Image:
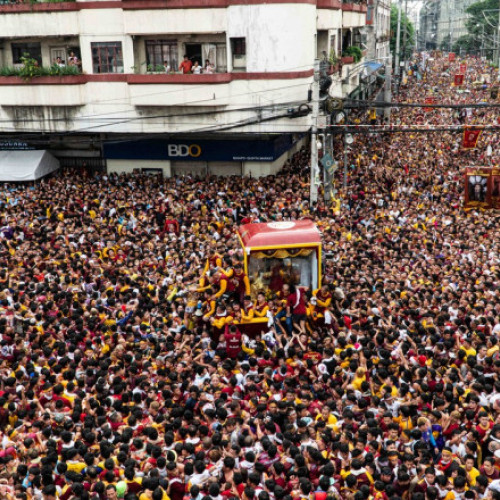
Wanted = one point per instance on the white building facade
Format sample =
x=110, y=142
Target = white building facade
x=379, y=29
x=128, y=85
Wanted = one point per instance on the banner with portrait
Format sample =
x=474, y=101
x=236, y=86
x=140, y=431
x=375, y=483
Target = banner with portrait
x=482, y=187
x=470, y=138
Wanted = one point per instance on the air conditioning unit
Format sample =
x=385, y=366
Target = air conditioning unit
x=239, y=61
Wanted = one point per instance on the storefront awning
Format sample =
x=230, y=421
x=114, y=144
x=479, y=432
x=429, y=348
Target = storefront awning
x=372, y=67
x=21, y=166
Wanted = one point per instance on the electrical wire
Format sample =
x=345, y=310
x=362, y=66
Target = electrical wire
x=152, y=94
x=124, y=119
x=384, y=129
x=381, y=104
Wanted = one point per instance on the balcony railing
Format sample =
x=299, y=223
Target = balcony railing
x=32, y=2
x=7, y=78
x=355, y=5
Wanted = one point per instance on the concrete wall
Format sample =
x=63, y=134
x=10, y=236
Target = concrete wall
x=122, y=107
x=353, y=19
x=279, y=37
x=329, y=19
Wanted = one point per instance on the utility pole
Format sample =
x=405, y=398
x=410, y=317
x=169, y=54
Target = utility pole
x=346, y=159
x=398, y=40
x=405, y=32
x=498, y=37
x=387, y=89
x=346, y=154
x=449, y=26
x=314, y=134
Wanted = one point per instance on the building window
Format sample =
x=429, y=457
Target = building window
x=107, y=57
x=20, y=50
x=239, y=53
x=159, y=51
x=239, y=46
x=217, y=55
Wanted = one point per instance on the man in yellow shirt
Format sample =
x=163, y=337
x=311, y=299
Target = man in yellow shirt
x=467, y=347
x=328, y=417
x=74, y=461
x=470, y=471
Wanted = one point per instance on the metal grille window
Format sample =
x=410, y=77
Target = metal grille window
x=19, y=50
x=239, y=46
x=107, y=57
x=159, y=51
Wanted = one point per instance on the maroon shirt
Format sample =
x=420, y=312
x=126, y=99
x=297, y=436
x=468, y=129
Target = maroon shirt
x=297, y=307
x=233, y=342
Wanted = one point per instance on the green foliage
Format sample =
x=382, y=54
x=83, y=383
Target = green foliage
x=333, y=59
x=353, y=51
x=155, y=68
x=407, y=25
x=465, y=44
x=33, y=2
x=481, y=28
x=9, y=71
x=31, y=69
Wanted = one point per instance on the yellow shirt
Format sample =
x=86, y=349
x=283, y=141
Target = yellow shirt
x=145, y=496
x=330, y=422
x=470, y=352
x=492, y=350
x=473, y=473
x=394, y=391
x=404, y=424
x=356, y=383
x=76, y=466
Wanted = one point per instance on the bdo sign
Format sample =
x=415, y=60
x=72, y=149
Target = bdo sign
x=184, y=150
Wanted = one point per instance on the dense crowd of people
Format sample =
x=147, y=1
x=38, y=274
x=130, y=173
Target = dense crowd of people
x=126, y=371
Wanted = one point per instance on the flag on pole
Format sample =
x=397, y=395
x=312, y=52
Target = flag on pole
x=471, y=136
x=451, y=56
x=459, y=80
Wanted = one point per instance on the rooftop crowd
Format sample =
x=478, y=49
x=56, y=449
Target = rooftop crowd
x=125, y=372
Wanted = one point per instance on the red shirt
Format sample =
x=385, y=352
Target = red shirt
x=186, y=66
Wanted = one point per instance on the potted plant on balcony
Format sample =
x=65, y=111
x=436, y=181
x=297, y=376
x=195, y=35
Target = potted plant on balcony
x=155, y=68
x=334, y=62
x=352, y=54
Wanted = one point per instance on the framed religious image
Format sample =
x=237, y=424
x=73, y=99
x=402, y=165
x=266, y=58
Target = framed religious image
x=495, y=188
x=479, y=187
